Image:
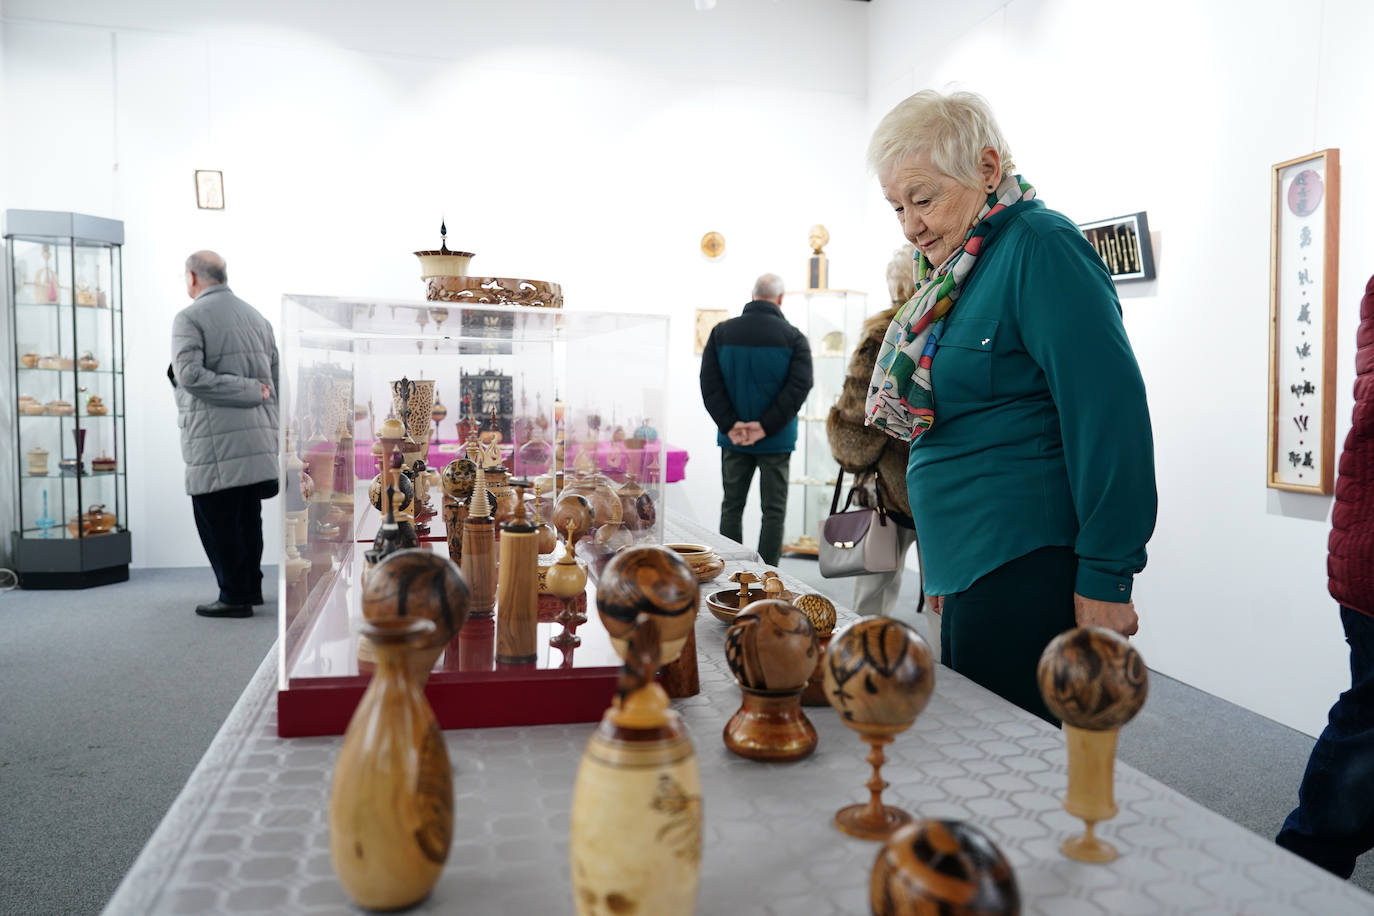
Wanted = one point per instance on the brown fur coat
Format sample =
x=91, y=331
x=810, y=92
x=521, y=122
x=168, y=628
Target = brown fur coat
x=862, y=450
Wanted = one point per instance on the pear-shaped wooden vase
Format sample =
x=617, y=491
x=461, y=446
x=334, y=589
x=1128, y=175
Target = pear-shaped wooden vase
x=391, y=803
x=636, y=812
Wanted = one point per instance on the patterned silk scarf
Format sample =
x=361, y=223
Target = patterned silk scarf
x=900, y=399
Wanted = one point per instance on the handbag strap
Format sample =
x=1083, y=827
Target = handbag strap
x=877, y=497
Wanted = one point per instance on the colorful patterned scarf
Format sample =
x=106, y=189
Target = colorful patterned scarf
x=900, y=399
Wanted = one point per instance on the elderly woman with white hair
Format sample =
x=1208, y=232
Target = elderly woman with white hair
x=1031, y=475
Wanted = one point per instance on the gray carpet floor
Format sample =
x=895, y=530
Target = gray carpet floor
x=111, y=696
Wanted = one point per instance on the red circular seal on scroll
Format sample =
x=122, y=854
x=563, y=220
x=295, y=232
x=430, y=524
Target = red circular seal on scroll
x=1305, y=193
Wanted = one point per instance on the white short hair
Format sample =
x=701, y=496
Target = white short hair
x=768, y=286
x=901, y=274
x=952, y=129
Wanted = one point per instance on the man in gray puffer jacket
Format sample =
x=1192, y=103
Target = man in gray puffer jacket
x=224, y=367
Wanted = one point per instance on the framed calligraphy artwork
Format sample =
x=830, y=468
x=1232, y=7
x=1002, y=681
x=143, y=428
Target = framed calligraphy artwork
x=1303, y=262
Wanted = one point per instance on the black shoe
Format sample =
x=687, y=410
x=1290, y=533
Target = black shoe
x=257, y=600
x=220, y=609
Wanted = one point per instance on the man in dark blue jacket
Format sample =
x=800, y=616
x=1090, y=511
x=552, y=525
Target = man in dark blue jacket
x=755, y=374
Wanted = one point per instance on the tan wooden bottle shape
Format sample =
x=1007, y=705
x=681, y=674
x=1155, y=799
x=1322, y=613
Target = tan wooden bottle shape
x=391, y=802
x=637, y=811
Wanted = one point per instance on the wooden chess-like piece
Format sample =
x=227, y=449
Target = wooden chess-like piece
x=419, y=583
x=1095, y=680
x=391, y=800
x=879, y=675
x=636, y=814
x=517, y=589
x=565, y=581
x=821, y=612
x=771, y=650
x=945, y=867
x=479, y=538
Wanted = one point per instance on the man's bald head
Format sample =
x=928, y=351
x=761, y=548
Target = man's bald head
x=209, y=267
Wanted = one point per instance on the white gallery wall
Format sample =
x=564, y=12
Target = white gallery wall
x=1180, y=109
x=592, y=144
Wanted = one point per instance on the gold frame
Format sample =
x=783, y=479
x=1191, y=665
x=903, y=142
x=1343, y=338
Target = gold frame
x=1331, y=218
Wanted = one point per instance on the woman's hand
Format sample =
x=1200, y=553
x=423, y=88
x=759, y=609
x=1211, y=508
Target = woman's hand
x=1110, y=614
x=936, y=603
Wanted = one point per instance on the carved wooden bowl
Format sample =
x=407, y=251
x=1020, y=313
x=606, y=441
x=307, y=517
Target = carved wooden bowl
x=706, y=563
x=771, y=646
x=653, y=581
x=945, y=867
x=1093, y=678
x=878, y=672
x=725, y=604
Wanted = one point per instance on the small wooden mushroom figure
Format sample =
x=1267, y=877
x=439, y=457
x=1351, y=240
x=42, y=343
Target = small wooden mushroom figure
x=945, y=867
x=743, y=579
x=636, y=820
x=879, y=675
x=821, y=612
x=1096, y=681
x=771, y=649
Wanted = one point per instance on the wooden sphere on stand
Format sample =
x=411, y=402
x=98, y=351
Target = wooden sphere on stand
x=572, y=510
x=458, y=478
x=878, y=672
x=945, y=867
x=1093, y=678
x=771, y=646
x=653, y=581
x=423, y=584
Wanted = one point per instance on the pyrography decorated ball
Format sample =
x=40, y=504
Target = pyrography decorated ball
x=819, y=611
x=1093, y=678
x=573, y=511
x=458, y=478
x=945, y=867
x=418, y=583
x=653, y=581
x=438, y=413
x=878, y=672
x=771, y=646
x=405, y=492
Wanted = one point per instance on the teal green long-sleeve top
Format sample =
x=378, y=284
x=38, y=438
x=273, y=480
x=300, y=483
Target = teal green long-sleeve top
x=1042, y=431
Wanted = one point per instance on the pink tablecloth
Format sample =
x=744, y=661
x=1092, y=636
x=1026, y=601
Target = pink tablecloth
x=611, y=456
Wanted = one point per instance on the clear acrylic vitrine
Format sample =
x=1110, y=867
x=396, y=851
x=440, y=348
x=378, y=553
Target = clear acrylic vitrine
x=66, y=328
x=538, y=382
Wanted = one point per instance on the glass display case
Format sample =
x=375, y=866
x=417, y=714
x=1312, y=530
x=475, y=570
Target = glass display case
x=557, y=399
x=67, y=327
x=832, y=320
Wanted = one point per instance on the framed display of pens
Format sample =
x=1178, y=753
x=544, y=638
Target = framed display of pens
x=1123, y=243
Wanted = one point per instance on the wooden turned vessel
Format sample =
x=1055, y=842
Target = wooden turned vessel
x=418, y=583
x=945, y=867
x=771, y=650
x=391, y=801
x=517, y=595
x=879, y=675
x=636, y=814
x=1096, y=681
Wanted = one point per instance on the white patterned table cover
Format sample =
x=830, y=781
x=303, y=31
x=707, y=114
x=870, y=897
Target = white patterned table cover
x=249, y=832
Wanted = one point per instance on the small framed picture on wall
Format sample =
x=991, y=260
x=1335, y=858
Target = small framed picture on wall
x=209, y=189
x=1303, y=261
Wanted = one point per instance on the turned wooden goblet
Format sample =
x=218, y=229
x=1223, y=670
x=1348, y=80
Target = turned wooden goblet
x=419, y=583
x=566, y=580
x=821, y=612
x=771, y=650
x=1096, y=681
x=945, y=867
x=879, y=675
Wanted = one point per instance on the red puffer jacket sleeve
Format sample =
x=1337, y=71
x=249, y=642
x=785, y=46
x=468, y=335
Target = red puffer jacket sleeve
x=1350, y=553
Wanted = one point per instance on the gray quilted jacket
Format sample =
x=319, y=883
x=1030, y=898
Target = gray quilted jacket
x=221, y=350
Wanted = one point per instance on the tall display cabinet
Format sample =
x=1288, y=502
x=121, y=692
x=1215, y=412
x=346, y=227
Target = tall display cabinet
x=66, y=329
x=831, y=319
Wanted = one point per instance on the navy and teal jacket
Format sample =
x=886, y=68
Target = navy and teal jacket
x=756, y=367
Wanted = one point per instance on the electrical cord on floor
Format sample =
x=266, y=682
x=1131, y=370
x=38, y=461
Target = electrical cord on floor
x=8, y=580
